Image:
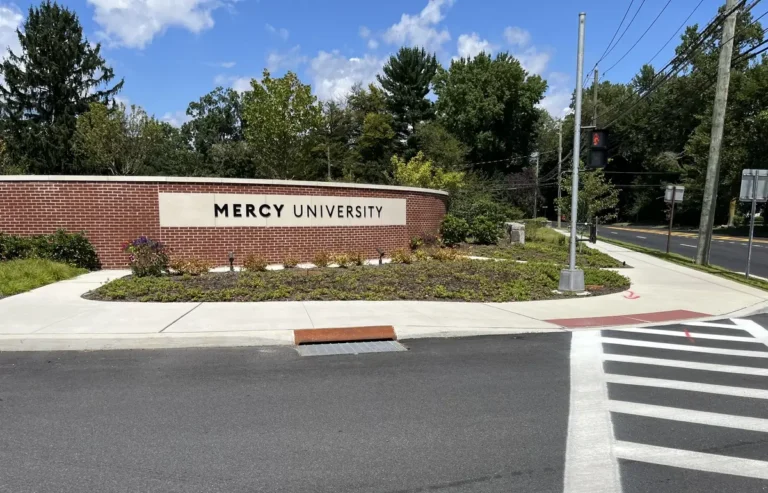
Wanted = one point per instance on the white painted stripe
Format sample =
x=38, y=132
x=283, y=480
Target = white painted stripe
x=697, y=461
x=614, y=233
x=712, y=324
x=754, y=328
x=691, y=347
x=681, y=333
x=590, y=466
x=692, y=386
x=690, y=365
x=642, y=237
x=689, y=246
x=689, y=416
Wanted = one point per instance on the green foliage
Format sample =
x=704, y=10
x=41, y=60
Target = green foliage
x=489, y=104
x=18, y=276
x=322, y=259
x=454, y=230
x=215, y=119
x=357, y=258
x=439, y=146
x=342, y=260
x=402, y=256
x=45, y=86
x=290, y=261
x=420, y=172
x=254, y=262
x=485, y=231
x=462, y=280
x=598, y=197
x=189, y=266
x=148, y=258
x=69, y=248
x=406, y=80
x=283, y=121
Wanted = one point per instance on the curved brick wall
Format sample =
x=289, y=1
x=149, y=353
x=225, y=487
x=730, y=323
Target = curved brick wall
x=112, y=210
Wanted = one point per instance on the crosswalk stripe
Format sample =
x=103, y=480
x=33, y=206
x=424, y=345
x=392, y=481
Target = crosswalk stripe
x=690, y=365
x=695, y=335
x=689, y=416
x=712, y=324
x=691, y=386
x=680, y=347
x=687, y=459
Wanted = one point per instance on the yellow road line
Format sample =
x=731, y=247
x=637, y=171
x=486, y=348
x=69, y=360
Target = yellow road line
x=682, y=234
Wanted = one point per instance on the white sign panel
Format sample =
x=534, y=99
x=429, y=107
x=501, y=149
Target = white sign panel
x=747, y=185
x=679, y=193
x=208, y=210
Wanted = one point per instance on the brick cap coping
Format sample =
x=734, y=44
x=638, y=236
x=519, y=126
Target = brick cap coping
x=225, y=181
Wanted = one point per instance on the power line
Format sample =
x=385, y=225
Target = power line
x=618, y=28
x=605, y=72
x=685, y=22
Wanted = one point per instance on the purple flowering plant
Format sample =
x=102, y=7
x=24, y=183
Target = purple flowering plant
x=148, y=257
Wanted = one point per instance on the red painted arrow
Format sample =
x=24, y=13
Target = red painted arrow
x=631, y=295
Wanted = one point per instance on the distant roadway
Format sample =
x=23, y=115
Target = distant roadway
x=727, y=251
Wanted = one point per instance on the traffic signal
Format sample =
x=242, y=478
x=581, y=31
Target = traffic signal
x=598, y=149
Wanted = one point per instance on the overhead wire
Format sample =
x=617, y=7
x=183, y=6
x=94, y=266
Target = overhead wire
x=685, y=22
x=602, y=57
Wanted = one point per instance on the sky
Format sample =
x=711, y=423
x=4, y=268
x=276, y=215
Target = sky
x=172, y=52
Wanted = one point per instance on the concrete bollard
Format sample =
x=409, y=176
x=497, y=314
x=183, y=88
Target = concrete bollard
x=515, y=233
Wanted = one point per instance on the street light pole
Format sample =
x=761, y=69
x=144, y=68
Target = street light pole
x=571, y=279
x=559, y=173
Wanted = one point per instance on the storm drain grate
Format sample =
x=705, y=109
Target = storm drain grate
x=350, y=348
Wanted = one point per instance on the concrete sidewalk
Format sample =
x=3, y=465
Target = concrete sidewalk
x=57, y=317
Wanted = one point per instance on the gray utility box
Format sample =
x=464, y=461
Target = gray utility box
x=515, y=233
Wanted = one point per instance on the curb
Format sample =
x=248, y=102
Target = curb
x=347, y=334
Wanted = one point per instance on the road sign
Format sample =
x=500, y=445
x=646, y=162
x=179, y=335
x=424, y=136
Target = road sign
x=748, y=188
x=679, y=191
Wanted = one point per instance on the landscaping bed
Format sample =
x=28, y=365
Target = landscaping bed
x=431, y=280
x=18, y=276
x=543, y=252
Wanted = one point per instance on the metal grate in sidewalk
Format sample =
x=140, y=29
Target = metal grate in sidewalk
x=350, y=348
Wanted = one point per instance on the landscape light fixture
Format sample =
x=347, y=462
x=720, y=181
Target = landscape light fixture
x=231, y=261
x=381, y=255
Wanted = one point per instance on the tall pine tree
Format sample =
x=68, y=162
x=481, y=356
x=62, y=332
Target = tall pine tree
x=53, y=79
x=407, y=79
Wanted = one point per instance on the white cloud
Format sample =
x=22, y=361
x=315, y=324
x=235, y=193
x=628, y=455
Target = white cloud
x=177, y=118
x=533, y=60
x=557, y=101
x=134, y=23
x=372, y=44
x=333, y=74
x=470, y=45
x=365, y=33
x=287, y=60
x=517, y=36
x=420, y=30
x=239, y=84
x=11, y=19
x=282, y=32
x=227, y=64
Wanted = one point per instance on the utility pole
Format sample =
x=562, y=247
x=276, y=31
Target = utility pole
x=536, y=191
x=559, y=173
x=594, y=100
x=571, y=279
x=709, y=202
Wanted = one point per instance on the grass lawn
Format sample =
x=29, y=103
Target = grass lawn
x=18, y=276
x=462, y=280
x=687, y=262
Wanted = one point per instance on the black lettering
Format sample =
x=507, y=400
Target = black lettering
x=340, y=209
x=312, y=209
x=237, y=210
x=250, y=210
x=330, y=210
x=221, y=209
x=264, y=210
x=300, y=213
x=370, y=208
x=379, y=208
x=279, y=209
x=349, y=210
x=357, y=211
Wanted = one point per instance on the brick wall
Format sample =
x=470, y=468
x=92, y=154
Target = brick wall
x=112, y=212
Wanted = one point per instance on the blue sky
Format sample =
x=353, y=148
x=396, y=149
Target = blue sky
x=171, y=52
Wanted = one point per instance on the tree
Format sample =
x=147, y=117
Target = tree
x=283, y=121
x=598, y=197
x=407, y=79
x=47, y=85
x=420, y=172
x=440, y=146
x=216, y=118
x=335, y=139
x=490, y=105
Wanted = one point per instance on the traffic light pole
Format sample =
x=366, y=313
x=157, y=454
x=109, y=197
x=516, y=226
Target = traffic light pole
x=572, y=279
x=559, y=174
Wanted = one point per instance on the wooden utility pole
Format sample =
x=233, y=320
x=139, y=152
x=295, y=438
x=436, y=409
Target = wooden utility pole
x=594, y=99
x=709, y=202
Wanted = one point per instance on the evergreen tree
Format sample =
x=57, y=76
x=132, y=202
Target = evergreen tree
x=407, y=79
x=47, y=85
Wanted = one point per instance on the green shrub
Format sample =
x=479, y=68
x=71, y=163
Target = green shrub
x=255, y=263
x=444, y=254
x=189, y=266
x=402, y=256
x=485, y=231
x=342, y=260
x=416, y=242
x=20, y=275
x=290, y=262
x=496, y=211
x=148, y=257
x=454, y=230
x=69, y=248
x=322, y=259
x=357, y=258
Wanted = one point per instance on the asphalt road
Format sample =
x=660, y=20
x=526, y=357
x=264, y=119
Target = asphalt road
x=729, y=254
x=454, y=415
